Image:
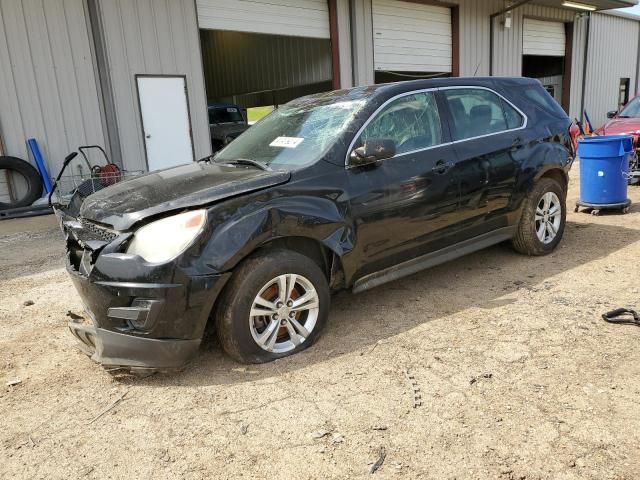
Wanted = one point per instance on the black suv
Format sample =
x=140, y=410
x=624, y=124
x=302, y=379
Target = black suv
x=342, y=190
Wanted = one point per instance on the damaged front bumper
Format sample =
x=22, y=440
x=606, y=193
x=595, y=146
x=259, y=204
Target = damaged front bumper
x=142, y=315
x=113, y=349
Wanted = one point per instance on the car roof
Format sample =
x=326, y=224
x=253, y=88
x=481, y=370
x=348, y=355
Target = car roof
x=466, y=80
x=457, y=81
x=395, y=88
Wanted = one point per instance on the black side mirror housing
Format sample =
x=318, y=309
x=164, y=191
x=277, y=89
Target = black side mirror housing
x=373, y=150
x=612, y=114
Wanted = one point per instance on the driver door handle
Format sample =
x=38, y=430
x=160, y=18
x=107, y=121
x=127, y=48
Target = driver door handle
x=441, y=167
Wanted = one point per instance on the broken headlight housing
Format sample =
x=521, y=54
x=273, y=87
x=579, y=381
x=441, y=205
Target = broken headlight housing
x=165, y=239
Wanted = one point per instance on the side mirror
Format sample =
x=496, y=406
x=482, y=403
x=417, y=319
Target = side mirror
x=612, y=114
x=373, y=150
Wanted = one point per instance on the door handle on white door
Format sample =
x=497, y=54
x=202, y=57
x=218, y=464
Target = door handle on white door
x=148, y=135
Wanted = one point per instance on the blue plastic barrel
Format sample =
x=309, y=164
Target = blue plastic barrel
x=604, y=167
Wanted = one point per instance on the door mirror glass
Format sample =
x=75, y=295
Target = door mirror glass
x=373, y=150
x=612, y=114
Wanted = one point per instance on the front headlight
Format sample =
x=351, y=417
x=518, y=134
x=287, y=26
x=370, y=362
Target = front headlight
x=165, y=239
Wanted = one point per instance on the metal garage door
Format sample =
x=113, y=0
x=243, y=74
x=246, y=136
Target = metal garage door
x=411, y=37
x=540, y=37
x=298, y=18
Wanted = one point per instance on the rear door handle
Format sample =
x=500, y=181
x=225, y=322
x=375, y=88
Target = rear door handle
x=517, y=143
x=486, y=166
x=441, y=167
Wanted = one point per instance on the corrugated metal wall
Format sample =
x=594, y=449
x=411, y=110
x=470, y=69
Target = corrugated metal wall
x=475, y=40
x=50, y=90
x=508, y=42
x=344, y=43
x=474, y=35
x=613, y=53
x=580, y=26
x=236, y=62
x=47, y=82
x=362, y=37
x=152, y=37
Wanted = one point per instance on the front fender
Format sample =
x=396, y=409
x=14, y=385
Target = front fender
x=238, y=233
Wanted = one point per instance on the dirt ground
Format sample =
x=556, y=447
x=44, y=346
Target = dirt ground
x=519, y=377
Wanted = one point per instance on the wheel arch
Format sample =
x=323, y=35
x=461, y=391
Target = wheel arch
x=556, y=173
x=325, y=257
x=544, y=160
x=329, y=261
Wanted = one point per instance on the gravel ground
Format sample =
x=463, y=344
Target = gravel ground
x=519, y=378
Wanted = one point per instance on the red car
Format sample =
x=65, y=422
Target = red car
x=626, y=122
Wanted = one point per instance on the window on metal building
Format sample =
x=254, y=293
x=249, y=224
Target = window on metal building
x=623, y=95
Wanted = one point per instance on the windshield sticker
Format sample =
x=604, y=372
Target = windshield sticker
x=286, y=142
x=232, y=110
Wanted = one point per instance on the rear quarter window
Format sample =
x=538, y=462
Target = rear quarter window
x=541, y=100
x=513, y=117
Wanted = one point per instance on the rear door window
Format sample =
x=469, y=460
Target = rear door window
x=477, y=112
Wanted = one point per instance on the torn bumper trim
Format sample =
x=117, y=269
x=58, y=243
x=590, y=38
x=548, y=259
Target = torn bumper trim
x=118, y=349
x=143, y=315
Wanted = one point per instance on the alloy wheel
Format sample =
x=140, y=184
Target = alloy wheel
x=548, y=217
x=284, y=313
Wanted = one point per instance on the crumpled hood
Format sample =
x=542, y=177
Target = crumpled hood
x=195, y=184
x=620, y=126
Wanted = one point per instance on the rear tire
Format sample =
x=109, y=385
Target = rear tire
x=255, y=303
x=541, y=226
x=31, y=177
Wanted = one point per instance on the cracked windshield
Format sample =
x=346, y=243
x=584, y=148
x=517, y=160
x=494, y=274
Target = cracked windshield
x=293, y=135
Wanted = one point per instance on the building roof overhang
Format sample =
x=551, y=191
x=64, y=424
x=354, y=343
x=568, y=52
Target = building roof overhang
x=586, y=5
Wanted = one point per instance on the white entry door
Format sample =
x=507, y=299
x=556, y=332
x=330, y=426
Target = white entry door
x=165, y=121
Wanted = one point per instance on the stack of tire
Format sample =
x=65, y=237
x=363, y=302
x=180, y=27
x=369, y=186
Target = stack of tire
x=32, y=179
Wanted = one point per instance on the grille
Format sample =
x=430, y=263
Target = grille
x=91, y=231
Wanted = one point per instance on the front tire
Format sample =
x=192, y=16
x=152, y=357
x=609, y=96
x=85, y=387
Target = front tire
x=543, y=219
x=275, y=304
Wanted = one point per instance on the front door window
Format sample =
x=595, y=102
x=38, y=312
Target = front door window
x=411, y=121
